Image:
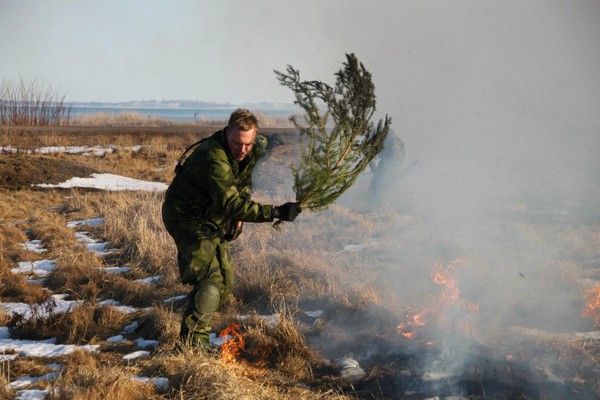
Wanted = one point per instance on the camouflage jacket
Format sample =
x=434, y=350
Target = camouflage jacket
x=212, y=189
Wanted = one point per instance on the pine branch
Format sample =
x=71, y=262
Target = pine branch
x=332, y=159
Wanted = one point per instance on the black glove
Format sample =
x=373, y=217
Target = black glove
x=287, y=211
x=235, y=230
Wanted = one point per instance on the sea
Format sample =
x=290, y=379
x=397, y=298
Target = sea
x=178, y=114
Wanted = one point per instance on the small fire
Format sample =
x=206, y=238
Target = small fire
x=235, y=349
x=450, y=295
x=231, y=349
x=592, y=306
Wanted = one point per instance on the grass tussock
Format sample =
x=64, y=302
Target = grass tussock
x=195, y=375
x=86, y=376
x=15, y=287
x=81, y=325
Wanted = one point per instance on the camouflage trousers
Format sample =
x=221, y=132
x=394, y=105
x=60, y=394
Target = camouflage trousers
x=206, y=263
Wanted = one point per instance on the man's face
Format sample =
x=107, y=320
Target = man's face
x=240, y=142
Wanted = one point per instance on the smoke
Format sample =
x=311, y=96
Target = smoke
x=496, y=106
x=501, y=129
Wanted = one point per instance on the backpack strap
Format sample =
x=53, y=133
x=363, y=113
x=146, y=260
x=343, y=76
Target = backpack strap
x=184, y=155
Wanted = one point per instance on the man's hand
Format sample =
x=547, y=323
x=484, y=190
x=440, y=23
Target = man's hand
x=235, y=230
x=287, y=211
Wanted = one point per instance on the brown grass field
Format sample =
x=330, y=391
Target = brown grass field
x=305, y=266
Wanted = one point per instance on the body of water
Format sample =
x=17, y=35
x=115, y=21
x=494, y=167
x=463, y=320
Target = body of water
x=176, y=114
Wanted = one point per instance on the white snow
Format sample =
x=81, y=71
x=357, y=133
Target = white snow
x=56, y=304
x=25, y=381
x=108, y=182
x=174, y=299
x=161, y=384
x=8, y=357
x=83, y=150
x=118, y=306
x=94, y=245
x=131, y=327
x=114, y=270
x=144, y=343
x=35, y=246
x=38, y=268
x=149, y=280
x=41, y=348
x=217, y=341
x=136, y=354
x=115, y=339
x=32, y=394
x=93, y=222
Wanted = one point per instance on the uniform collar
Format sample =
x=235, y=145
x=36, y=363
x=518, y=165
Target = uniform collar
x=223, y=138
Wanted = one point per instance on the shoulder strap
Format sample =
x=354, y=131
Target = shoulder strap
x=184, y=155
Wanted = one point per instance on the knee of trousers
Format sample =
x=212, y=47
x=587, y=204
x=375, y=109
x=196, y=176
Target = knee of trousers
x=207, y=299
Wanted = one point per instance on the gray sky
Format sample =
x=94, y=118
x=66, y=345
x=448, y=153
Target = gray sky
x=421, y=52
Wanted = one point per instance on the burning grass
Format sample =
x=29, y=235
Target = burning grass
x=323, y=287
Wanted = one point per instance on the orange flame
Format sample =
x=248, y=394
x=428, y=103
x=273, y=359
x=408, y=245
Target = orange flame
x=592, y=306
x=231, y=349
x=443, y=276
x=234, y=349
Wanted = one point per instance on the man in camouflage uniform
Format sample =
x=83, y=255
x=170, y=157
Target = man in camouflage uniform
x=208, y=199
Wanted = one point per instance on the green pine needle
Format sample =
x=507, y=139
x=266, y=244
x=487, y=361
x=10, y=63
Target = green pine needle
x=332, y=157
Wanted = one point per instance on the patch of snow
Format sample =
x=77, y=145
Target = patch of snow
x=56, y=304
x=94, y=245
x=8, y=357
x=35, y=246
x=216, y=341
x=4, y=332
x=150, y=280
x=93, y=222
x=84, y=150
x=32, y=394
x=161, y=384
x=9, y=150
x=136, y=355
x=143, y=343
x=39, y=268
x=108, y=182
x=174, y=299
x=25, y=381
x=130, y=328
x=114, y=270
x=41, y=348
x=118, y=306
x=115, y=339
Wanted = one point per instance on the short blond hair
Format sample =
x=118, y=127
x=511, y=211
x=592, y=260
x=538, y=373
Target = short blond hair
x=242, y=119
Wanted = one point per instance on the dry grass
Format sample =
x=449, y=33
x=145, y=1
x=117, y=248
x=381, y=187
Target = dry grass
x=88, y=376
x=332, y=261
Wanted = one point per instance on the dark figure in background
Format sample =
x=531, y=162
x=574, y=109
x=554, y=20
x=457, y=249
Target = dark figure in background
x=204, y=209
x=387, y=167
